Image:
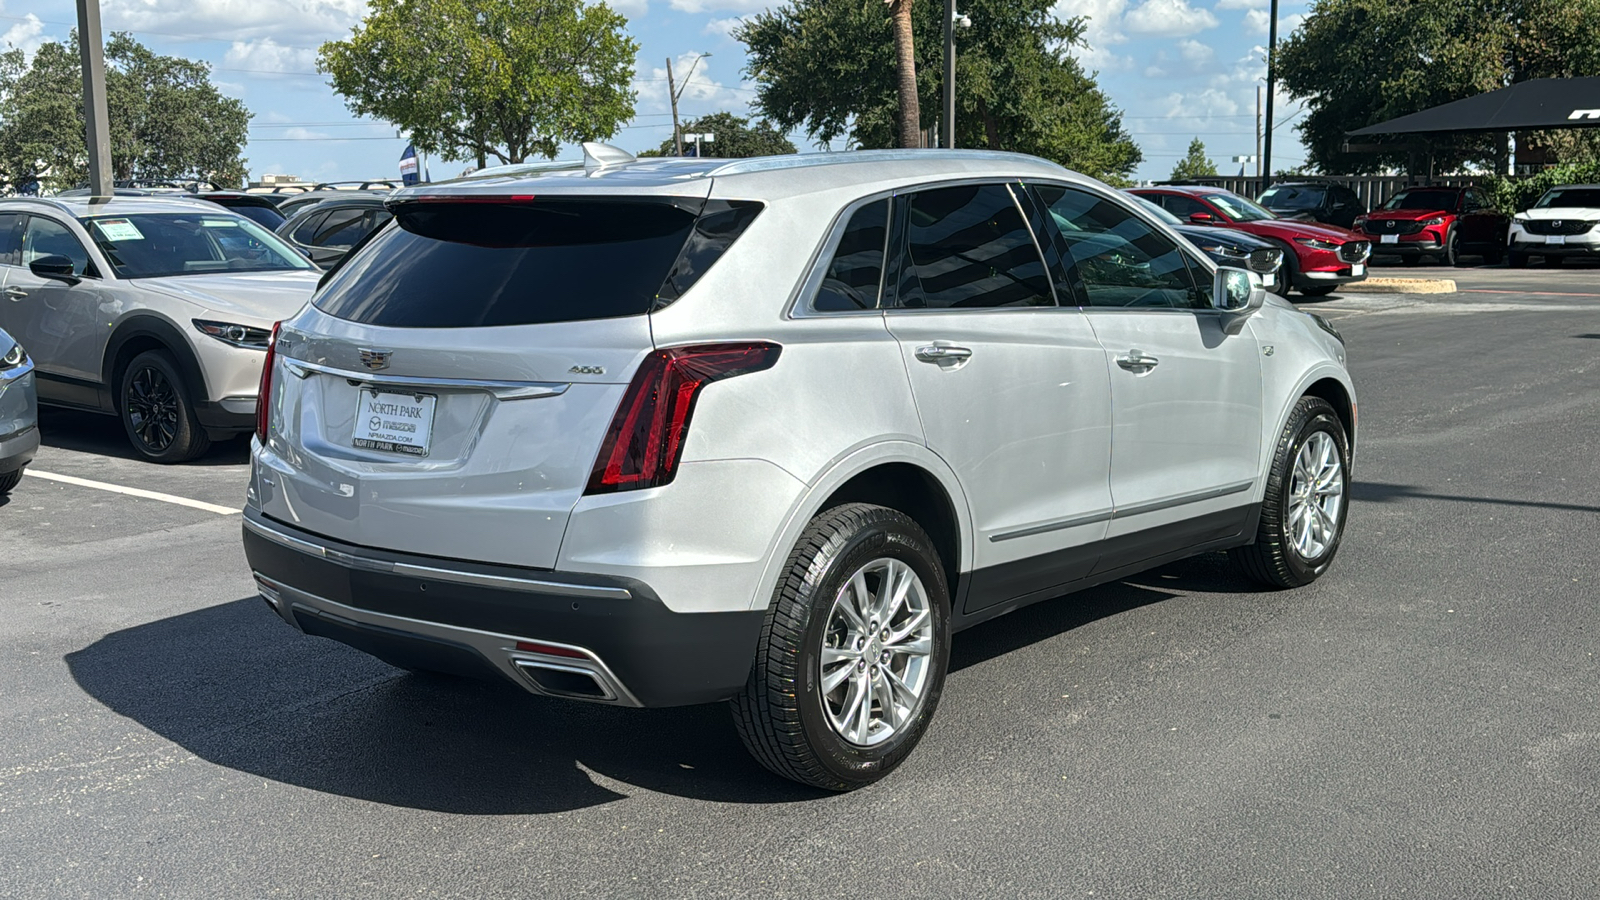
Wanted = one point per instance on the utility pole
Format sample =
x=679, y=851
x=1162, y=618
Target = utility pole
x=96, y=121
x=677, y=136
x=947, y=140
x=1272, y=89
x=1258, y=131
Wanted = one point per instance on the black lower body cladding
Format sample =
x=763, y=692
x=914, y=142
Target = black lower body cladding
x=662, y=657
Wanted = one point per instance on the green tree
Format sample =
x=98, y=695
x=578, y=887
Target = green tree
x=470, y=79
x=1359, y=62
x=827, y=66
x=736, y=137
x=167, y=119
x=1195, y=165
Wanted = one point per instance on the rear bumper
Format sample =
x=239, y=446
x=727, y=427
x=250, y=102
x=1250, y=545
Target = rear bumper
x=591, y=637
x=1528, y=245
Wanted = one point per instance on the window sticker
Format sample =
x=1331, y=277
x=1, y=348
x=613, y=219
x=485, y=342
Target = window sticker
x=218, y=223
x=118, y=230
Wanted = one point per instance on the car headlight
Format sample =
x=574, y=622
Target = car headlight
x=1317, y=243
x=1436, y=220
x=1224, y=250
x=235, y=335
x=1522, y=217
x=13, y=358
x=1325, y=325
x=1359, y=223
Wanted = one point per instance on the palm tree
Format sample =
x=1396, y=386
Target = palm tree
x=906, y=71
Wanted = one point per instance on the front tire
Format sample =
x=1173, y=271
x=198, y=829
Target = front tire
x=1516, y=260
x=1320, y=291
x=1307, y=499
x=852, y=656
x=157, y=412
x=1452, y=248
x=9, y=480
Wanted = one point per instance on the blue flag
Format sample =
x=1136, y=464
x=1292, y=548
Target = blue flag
x=408, y=167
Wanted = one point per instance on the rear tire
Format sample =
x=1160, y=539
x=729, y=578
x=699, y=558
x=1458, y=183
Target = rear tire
x=1307, y=500
x=1320, y=291
x=849, y=561
x=157, y=412
x=9, y=480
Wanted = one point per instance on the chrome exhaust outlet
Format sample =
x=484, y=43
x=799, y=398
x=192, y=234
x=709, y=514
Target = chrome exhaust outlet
x=564, y=680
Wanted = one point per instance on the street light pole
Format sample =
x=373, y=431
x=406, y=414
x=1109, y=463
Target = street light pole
x=96, y=121
x=1272, y=90
x=673, y=93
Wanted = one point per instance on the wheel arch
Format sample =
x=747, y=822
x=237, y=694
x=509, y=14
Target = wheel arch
x=900, y=475
x=141, y=332
x=1333, y=386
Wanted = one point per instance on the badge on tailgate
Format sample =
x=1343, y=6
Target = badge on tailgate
x=394, y=423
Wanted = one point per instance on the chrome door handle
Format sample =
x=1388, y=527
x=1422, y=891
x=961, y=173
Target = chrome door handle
x=16, y=293
x=937, y=353
x=1137, y=361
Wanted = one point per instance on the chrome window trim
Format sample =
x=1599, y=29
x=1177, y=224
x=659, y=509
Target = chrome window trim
x=1107, y=515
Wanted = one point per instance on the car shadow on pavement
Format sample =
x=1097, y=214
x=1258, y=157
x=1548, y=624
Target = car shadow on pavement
x=235, y=686
x=1381, y=492
x=87, y=432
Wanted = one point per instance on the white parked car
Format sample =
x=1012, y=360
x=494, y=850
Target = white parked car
x=1561, y=224
x=156, y=310
x=772, y=430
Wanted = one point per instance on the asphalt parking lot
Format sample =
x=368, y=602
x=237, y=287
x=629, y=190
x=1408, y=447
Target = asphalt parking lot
x=1424, y=721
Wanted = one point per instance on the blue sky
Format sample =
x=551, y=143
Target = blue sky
x=1178, y=69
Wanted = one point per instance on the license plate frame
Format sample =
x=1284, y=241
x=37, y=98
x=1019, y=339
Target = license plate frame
x=382, y=417
x=1357, y=269
x=1388, y=238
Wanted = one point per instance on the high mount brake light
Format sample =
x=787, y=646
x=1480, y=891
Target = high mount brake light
x=264, y=395
x=645, y=440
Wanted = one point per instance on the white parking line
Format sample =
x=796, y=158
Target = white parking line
x=134, y=492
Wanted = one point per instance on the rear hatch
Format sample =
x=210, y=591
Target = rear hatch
x=448, y=391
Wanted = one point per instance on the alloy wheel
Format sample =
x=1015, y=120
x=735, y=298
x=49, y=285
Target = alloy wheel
x=1316, y=496
x=153, y=408
x=876, y=652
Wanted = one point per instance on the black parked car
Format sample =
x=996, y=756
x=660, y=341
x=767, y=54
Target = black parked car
x=1331, y=204
x=326, y=231
x=1229, y=246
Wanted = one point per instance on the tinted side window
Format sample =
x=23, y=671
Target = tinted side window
x=1184, y=207
x=10, y=239
x=969, y=247
x=854, y=275
x=342, y=228
x=47, y=237
x=306, y=232
x=1118, y=259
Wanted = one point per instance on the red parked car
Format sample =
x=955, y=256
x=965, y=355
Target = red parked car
x=1447, y=222
x=1317, y=258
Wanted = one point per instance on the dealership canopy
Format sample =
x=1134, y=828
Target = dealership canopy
x=1526, y=105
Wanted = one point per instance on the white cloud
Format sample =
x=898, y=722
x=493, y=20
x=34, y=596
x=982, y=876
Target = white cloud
x=267, y=55
x=25, y=35
x=723, y=27
x=1101, y=31
x=700, y=6
x=1256, y=21
x=1195, y=53
x=233, y=20
x=1168, y=18
x=630, y=8
x=303, y=134
x=1243, y=4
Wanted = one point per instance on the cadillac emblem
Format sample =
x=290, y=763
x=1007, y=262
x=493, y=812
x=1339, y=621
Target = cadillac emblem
x=376, y=359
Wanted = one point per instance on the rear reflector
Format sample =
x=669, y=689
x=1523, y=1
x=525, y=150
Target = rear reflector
x=264, y=395
x=646, y=437
x=550, y=650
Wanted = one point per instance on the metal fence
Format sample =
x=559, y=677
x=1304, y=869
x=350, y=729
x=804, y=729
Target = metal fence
x=1372, y=189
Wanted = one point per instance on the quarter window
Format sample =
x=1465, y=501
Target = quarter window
x=307, y=232
x=1118, y=259
x=342, y=228
x=10, y=239
x=855, y=273
x=969, y=247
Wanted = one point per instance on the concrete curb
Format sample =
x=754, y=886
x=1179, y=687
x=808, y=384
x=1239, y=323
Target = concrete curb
x=1400, y=286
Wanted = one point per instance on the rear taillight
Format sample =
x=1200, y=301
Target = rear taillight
x=264, y=395
x=646, y=436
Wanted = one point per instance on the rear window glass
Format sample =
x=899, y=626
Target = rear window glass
x=458, y=265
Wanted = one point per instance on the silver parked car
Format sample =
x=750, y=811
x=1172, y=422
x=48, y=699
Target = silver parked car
x=19, y=413
x=772, y=430
x=156, y=310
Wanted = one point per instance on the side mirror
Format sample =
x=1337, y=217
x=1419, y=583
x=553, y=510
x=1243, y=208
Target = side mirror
x=1237, y=291
x=56, y=268
x=1202, y=218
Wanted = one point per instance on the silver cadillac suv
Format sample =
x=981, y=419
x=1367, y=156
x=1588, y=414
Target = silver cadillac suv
x=156, y=310
x=771, y=431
